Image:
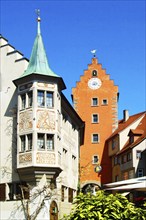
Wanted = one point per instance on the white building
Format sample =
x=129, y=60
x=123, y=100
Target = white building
x=40, y=134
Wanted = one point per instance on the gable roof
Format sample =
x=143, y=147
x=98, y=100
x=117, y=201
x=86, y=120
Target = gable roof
x=140, y=132
x=124, y=124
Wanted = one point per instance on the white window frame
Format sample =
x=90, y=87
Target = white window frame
x=44, y=100
x=25, y=100
x=138, y=154
x=27, y=146
x=92, y=102
x=93, y=138
x=104, y=100
x=95, y=159
x=93, y=119
x=42, y=142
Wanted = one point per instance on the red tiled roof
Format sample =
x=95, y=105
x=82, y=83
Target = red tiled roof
x=124, y=124
x=141, y=131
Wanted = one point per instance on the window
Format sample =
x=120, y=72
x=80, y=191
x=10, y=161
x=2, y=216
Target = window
x=104, y=102
x=41, y=141
x=124, y=158
x=29, y=140
x=15, y=191
x=49, y=99
x=94, y=101
x=131, y=139
x=50, y=142
x=30, y=99
x=41, y=98
x=140, y=172
x=26, y=142
x=95, y=118
x=115, y=160
x=113, y=144
x=129, y=156
x=62, y=193
x=2, y=192
x=45, y=99
x=94, y=73
x=95, y=138
x=45, y=141
x=95, y=159
x=26, y=100
x=23, y=101
x=23, y=143
x=70, y=195
x=138, y=154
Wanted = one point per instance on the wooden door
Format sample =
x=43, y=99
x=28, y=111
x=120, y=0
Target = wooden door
x=53, y=211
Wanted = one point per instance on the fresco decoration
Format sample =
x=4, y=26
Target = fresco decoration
x=45, y=120
x=25, y=120
x=45, y=158
x=25, y=158
x=46, y=85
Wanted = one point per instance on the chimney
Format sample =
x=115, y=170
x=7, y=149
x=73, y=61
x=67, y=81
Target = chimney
x=125, y=115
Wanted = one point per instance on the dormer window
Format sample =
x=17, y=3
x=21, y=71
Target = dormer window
x=131, y=139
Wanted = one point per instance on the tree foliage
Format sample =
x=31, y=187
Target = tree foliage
x=104, y=206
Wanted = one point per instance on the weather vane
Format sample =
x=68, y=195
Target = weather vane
x=38, y=12
x=93, y=52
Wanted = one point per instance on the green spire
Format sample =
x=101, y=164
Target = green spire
x=38, y=62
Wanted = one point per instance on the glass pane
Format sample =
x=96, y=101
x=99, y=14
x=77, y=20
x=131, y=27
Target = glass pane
x=29, y=136
x=95, y=138
x=49, y=99
x=94, y=101
x=95, y=118
x=29, y=99
x=23, y=148
x=23, y=101
x=41, y=98
x=41, y=141
x=50, y=142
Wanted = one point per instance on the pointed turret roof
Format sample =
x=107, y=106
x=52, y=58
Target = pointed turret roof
x=38, y=67
x=38, y=62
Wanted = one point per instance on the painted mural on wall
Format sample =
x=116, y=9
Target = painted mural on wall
x=25, y=120
x=23, y=158
x=45, y=120
x=45, y=158
x=46, y=85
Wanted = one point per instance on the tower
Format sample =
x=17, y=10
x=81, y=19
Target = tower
x=39, y=107
x=95, y=99
x=40, y=135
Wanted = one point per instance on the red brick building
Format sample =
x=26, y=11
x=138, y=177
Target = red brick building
x=95, y=99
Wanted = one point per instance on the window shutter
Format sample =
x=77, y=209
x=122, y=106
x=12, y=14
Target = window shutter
x=2, y=192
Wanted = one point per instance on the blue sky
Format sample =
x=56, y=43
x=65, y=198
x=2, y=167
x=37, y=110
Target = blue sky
x=71, y=29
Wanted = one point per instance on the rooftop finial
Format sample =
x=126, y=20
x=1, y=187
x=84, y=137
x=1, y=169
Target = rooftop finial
x=38, y=14
x=93, y=52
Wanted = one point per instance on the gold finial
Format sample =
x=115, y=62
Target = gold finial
x=38, y=14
